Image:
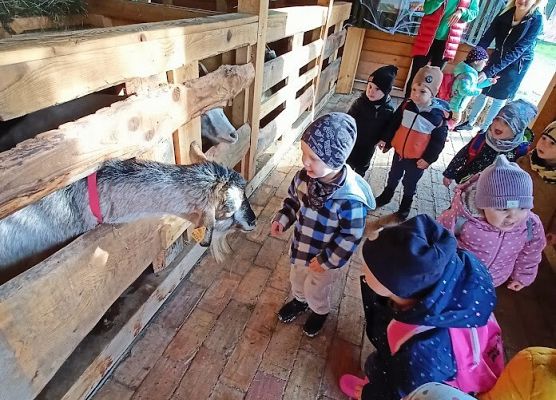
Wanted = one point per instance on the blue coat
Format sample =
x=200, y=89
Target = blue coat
x=513, y=54
x=463, y=297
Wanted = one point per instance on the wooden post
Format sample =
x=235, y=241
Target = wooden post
x=547, y=111
x=350, y=59
x=260, y=8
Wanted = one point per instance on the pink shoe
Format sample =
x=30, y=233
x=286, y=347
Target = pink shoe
x=348, y=383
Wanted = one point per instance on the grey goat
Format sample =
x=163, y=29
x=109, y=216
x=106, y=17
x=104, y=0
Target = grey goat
x=207, y=194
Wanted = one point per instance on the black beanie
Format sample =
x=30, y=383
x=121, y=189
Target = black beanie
x=384, y=77
x=410, y=257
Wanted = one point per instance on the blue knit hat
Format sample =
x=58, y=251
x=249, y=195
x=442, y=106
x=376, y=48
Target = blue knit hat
x=476, y=54
x=332, y=137
x=410, y=257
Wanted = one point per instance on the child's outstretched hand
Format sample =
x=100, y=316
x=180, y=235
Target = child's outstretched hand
x=276, y=228
x=447, y=181
x=422, y=164
x=493, y=80
x=515, y=286
x=315, y=266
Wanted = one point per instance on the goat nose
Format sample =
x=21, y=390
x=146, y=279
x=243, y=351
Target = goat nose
x=233, y=135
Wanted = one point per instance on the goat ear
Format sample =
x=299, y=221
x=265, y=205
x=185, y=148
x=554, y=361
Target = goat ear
x=196, y=153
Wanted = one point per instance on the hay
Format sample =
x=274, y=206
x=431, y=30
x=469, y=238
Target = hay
x=54, y=9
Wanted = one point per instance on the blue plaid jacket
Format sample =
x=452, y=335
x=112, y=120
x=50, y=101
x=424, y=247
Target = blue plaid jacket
x=332, y=232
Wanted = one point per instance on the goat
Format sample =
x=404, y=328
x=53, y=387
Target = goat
x=215, y=127
x=206, y=193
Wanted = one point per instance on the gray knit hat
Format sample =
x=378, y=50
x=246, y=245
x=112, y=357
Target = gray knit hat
x=332, y=137
x=504, y=184
x=518, y=115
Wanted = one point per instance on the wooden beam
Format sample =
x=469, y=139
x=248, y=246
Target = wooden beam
x=284, y=22
x=327, y=78
x=350, y=59
x=63, y=298
x=260, y=8
x=143, y=12
x=547, y=110
x=231, y=154
x=59, y=157
x=339, y=13
x=24, y=24
x=333, y=43
x=90, y=63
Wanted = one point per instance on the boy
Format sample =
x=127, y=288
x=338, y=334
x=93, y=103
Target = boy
x=418, y=134
x=328, y=203
x=372, y=112
x=414, y=274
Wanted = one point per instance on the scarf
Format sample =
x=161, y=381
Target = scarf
x=545, y=171
x=503, y=146
x=320, y=192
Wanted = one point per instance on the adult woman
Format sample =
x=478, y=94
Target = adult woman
x=514, y=31
x=440, y=33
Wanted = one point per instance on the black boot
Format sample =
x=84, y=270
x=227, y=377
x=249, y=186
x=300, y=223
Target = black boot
x=314, y=324
x=405, y=208
x=291, y=310
x=385, y=197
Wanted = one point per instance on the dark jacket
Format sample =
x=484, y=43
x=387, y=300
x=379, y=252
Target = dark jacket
x=513, y=54
x=415, y=133
x=372, y=118
x=463, y=297
x=467, y=162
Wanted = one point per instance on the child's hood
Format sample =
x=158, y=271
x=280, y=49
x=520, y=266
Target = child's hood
x=463, y=297
x=355, y=188
x=464, y=68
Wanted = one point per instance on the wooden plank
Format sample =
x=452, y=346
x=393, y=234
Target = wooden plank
x=547, y=111
x=328, y=77
x=283, y=66
x=288, y=91
x=283, y=122
x=143, y=12
x=30, y=86
x=284, y=22
x=339, y=13
x=387, y=47
x=21, y=25
x=260, y=8
x=350, y=59
x=231, y=154
x=116, y=347
x=382, y=58
x=397, y=37
x=59, y=157
x=75, y=287
x=333, y=43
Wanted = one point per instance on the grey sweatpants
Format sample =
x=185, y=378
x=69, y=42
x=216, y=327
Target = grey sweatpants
x=314, y=288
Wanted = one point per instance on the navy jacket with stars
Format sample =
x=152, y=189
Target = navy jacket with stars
x=463, y=297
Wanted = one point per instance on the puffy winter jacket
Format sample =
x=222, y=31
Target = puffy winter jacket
x=466, y=85
x=514, y=254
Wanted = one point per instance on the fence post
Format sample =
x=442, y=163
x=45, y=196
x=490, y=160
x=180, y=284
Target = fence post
x=256, y=56
x=350, y=59
x=323, y=34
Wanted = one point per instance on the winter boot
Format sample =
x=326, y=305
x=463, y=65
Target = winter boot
x=314, y=324
x=385, y=197
x=405, y=208
x=291, y=310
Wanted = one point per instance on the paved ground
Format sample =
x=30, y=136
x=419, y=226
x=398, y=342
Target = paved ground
x=218, y=336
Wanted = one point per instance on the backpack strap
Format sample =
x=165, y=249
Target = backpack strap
x=399, y=332
x=475, y=147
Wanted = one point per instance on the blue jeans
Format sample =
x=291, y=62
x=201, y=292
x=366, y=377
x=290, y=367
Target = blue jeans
x=479, y=104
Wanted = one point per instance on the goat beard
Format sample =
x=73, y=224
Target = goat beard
x=219, y=246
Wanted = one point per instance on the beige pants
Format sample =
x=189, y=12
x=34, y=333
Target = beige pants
x=314, y=288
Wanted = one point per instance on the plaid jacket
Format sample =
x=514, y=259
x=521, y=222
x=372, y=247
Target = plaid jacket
x=332, y=232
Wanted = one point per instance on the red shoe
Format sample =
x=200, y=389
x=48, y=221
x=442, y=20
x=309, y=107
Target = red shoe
x=349, y=382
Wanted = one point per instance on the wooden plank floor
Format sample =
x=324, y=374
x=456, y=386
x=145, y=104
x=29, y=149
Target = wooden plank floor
x=218, y=336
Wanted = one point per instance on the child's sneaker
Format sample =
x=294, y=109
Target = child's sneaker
x=291, y=310
x=314, y=324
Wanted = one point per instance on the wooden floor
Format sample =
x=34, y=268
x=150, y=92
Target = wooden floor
x=218, y=336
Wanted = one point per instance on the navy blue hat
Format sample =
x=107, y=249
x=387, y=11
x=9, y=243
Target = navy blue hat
x=410, y=257
x=476, y=54
x=332, y=137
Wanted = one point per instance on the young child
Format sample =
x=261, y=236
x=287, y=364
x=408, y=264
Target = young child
x=466, y=82
x=540, y=164
x=418, y=134
x=415, y=274
x=328, y=203
x=491, y=217
x=373, y=112
x=504, y=136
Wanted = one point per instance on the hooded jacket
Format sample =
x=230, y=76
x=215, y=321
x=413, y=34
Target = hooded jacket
x=513, y=255
x=462, y=297
x=466, y=85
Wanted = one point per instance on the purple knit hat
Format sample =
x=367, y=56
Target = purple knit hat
x=504, y=184
x=476, y=54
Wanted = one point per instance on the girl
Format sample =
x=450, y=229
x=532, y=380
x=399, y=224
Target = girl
x=491, y=217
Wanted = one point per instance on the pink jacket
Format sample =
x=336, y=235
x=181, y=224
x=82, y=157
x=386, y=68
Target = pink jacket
x=515, y=254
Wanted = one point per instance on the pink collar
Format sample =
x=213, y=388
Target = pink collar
x=94, y=202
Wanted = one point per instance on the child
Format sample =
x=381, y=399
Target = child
x=372, y=112
x=491, y=217
x=540, y=164
x=328, y=204
x=504, y=136
x=437, y=391
x=466, y=82
x=418, y=134
x=414, y=274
